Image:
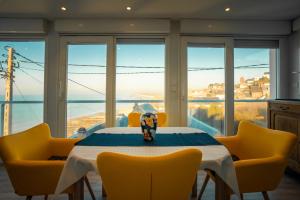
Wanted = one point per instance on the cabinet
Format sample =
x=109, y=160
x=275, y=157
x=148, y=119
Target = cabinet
x=285, y=115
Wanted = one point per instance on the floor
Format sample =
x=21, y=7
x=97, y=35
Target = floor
x=289, y=189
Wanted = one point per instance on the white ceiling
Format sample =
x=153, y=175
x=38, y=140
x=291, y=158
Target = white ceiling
x=174, y=9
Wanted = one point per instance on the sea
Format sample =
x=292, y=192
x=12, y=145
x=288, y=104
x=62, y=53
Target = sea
x=26, y=115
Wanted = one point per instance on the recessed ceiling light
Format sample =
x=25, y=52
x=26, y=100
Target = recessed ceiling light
x=128, y=8
x=63, y=8
x=227, y=9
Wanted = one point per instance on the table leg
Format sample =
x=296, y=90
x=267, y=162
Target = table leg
x=79, y=190
x=194, y=190
x=222, y=191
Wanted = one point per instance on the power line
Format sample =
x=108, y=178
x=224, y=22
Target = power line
x=41, y=82
x=99, y=66
x=40, y=65
x=87, y=87
x=28, y=59
x=157, y=72
x=34, y=69
x=68, y=79
x=153, y=67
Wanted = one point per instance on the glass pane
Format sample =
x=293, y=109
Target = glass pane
x=26, y=102
x=86, y=87
x=140, y=79
x=206, y=88
x=252, y=83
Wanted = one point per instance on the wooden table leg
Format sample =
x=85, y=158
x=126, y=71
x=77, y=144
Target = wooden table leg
x=222, y=192
x=194, y=190
x=79, y=190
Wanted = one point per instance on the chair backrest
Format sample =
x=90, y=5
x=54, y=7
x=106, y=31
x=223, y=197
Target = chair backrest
x=30, y=144
x=161, y=119
x=258, y=142
x=134, y=119
x=149, y=178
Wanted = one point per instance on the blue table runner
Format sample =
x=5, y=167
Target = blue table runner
x=174, y=139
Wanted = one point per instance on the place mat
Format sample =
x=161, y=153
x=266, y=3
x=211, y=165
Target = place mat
x=173, y=139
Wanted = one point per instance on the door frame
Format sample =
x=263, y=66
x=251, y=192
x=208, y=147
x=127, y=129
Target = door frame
x=228, y=43
x=110, y=77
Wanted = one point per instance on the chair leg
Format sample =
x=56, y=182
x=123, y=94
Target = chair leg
x=28, y=197
x=194, y=189
x=86, y=180
x=103, y=191
x=46, y=197
x=203, y=187
x=266, y=196
x=242, y=196
x=70, y=195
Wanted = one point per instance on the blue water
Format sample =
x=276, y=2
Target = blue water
x=27, y=115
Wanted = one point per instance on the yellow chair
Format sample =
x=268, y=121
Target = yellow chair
x=26, y=159
x=161, y=119
x=143, y=178
x=134, y=119
x=262, y=157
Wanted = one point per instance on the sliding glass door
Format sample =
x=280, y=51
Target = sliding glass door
x=204, y=88
x=254, y=80
x=140, y=77
x=218, y=93
x=86, y=67
x=86, y=76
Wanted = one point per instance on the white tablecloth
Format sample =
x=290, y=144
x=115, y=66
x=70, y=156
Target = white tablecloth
x=82, y=159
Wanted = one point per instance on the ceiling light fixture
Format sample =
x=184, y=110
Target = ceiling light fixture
x=227, y=9
x=128, y=8
x=63, y=8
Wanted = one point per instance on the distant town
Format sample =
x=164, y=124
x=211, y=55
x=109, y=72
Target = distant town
x=253, y=88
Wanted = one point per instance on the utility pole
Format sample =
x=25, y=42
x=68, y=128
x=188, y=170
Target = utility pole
x=8, y=93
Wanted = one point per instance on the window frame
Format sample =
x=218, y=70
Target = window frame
x=33, y=38
x=148, y=40
x=62, y=76
x=111, y=42
x=271, y=44
x=227, y=42
x=278, y=44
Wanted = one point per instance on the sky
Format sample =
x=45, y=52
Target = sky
x=29, y=81
x=26, y=82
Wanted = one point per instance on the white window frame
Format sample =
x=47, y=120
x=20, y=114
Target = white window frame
x=110, y=77
x=229, y=78
x=34, y=38
x=274, y=63
x=111, y=41
x=167, y=70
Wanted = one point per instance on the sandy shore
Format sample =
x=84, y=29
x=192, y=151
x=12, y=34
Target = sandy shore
x=84, y=121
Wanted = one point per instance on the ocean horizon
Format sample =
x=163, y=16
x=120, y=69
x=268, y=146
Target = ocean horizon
x=27, y=115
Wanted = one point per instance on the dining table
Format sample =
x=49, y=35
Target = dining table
x=83, y=159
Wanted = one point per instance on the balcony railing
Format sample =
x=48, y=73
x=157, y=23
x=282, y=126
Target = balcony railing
x=3, y=103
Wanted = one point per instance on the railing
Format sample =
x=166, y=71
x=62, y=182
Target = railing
x=2, y=107
x=3, y=103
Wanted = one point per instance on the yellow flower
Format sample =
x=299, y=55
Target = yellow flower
x=149, y=122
